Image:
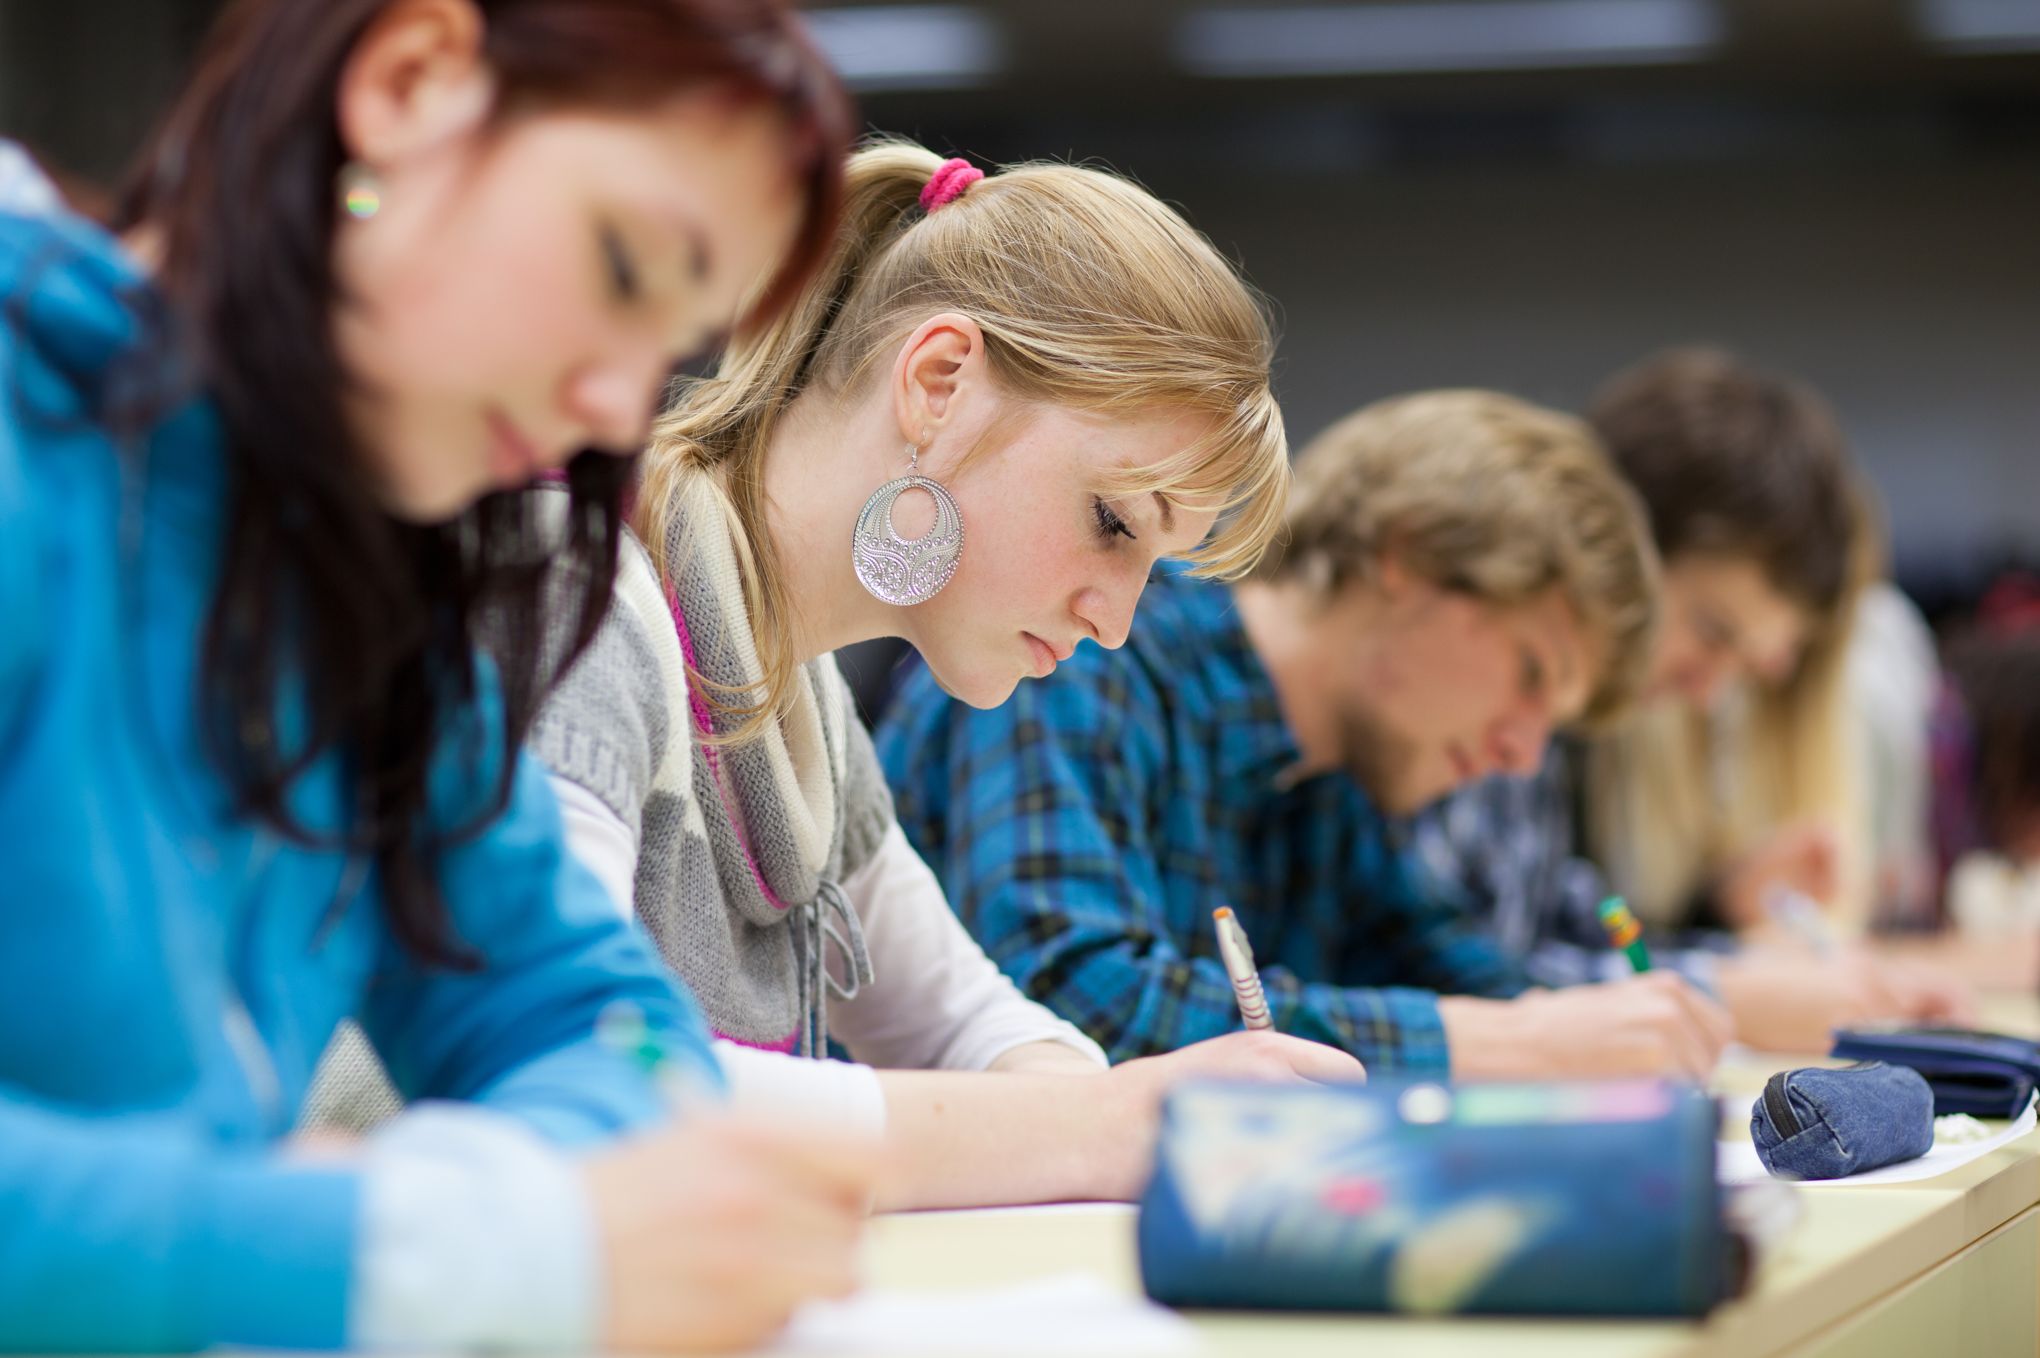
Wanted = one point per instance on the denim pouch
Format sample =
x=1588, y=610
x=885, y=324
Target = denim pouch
x=1829, y=1124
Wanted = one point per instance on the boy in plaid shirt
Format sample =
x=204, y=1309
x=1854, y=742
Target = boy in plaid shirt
x=1462, y=573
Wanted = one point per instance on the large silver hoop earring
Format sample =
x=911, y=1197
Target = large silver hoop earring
x=906, y=570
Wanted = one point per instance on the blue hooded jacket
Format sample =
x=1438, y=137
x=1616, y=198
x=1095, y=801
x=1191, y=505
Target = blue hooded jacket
x=169, y=971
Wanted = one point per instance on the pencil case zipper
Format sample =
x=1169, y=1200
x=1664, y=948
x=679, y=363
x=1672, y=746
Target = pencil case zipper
x=1779, y=1108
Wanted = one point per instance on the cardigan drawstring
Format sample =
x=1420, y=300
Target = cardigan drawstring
x=819, y=929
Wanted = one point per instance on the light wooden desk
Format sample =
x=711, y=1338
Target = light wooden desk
x=1938, y=1266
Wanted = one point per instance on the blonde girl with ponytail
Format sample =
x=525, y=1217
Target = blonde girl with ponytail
x=1000, y=402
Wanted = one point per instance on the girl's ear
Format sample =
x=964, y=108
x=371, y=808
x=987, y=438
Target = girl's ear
x=940, y=368
x=416, y=80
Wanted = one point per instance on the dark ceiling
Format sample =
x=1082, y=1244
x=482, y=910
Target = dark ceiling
x=1317, y=84
x=1185, y=80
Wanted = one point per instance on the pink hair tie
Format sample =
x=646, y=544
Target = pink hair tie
x=951, y=177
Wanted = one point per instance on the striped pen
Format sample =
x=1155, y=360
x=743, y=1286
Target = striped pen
x=1239, y=965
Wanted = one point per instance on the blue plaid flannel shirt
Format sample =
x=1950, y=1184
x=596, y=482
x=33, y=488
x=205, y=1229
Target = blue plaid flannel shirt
x=1087, y=829
x=1504, y=850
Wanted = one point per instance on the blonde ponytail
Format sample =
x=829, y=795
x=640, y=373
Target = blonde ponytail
x=1091, y=295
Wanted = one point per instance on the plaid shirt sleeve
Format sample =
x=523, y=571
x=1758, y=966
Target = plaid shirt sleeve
x=1502, y=848
x=1044, y=818
x=1434, y=946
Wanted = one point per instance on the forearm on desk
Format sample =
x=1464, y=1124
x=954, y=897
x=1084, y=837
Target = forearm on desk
x=960, y=1138
x=970, y=1139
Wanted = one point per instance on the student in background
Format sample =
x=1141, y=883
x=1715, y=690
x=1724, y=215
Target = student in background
x=1982, y=920
x=387, y=260
x=1079, y=383
x=1987, y=771
x=1737, y=779
x=1994, y=680
x=1461, y=574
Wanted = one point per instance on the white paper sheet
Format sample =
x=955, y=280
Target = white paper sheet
x=1736, y=1161
x=1070, y=1313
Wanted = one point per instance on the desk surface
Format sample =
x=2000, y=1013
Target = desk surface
x=1853, y=1248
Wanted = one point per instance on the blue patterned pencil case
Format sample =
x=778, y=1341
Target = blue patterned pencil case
x=1554, y=1199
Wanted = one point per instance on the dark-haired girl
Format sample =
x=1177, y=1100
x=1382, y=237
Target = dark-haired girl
x=386, y=260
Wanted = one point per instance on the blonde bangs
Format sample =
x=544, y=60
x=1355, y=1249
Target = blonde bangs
x=1242, y=468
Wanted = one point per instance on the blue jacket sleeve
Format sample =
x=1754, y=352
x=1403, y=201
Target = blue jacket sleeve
x=130, y=1234
x=20, y=544
x=1049, y=844
x=520, y=1034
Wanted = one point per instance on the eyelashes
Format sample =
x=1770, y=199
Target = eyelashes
x=1110, y=525
x=623, y=273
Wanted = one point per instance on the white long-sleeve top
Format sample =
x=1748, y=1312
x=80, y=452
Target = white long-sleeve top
x=935, y=1001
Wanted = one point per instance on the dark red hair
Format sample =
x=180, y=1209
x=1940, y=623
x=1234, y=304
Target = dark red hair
x=373, y=622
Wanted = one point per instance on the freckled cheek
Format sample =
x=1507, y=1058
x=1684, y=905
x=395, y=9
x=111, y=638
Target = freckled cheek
x=1025, y=547
x=990, y=583
x=1039, y=591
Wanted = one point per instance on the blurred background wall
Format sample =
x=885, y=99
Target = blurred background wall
x=1524, y=194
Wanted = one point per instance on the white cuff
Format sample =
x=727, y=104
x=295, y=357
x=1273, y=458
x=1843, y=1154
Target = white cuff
x=599, y=838
x=474, y=1233
x=836, y=1095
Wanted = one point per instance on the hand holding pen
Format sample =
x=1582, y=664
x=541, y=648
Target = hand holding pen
x=714, y=1227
